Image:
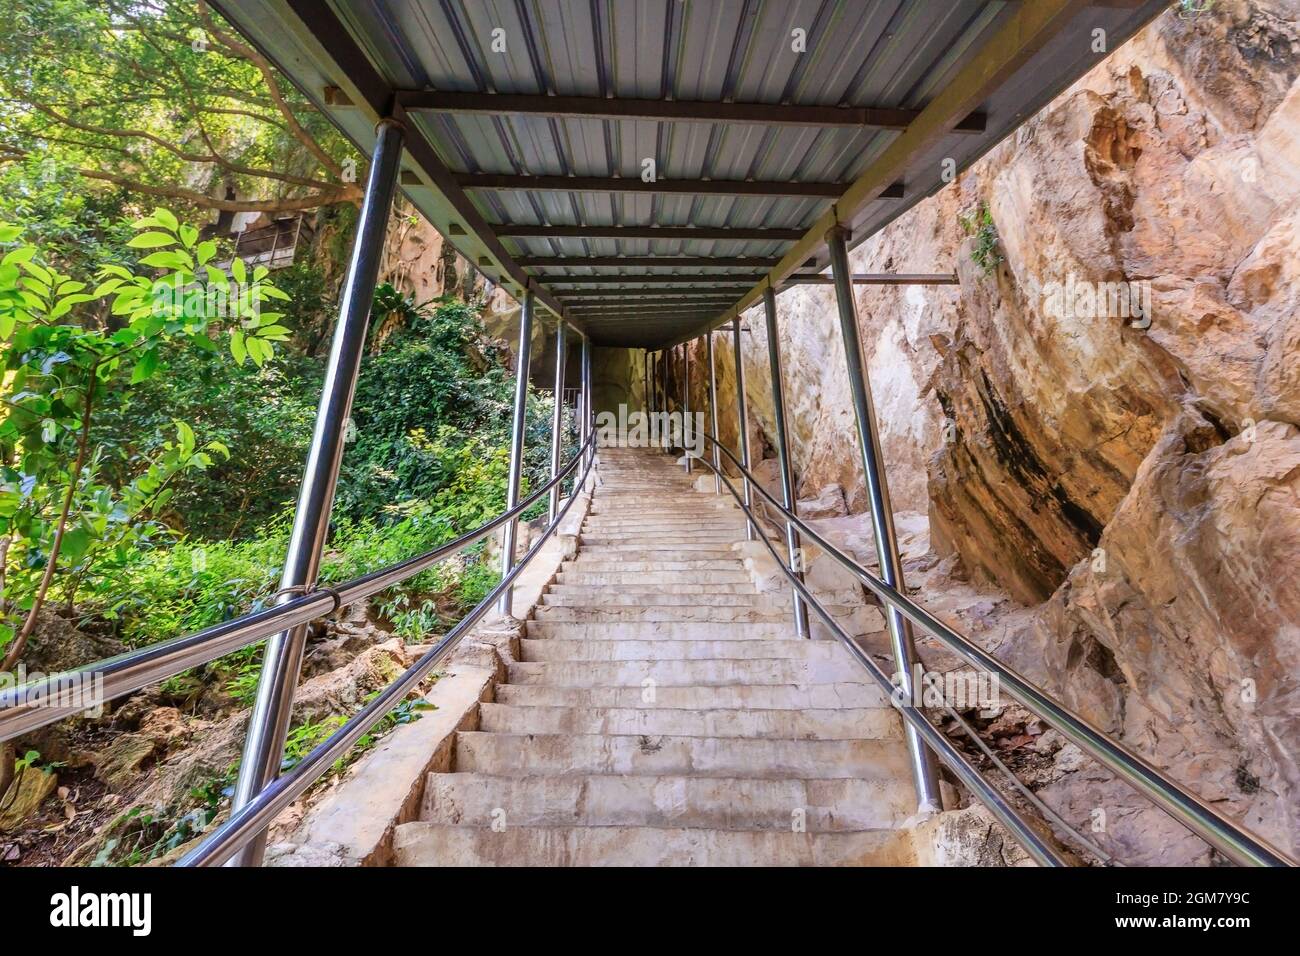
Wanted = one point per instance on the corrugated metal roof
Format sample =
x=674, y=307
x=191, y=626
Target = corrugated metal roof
x=889, y=54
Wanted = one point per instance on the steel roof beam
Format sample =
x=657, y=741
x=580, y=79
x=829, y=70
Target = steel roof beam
x=691, y=111
x=724, y=279
x=693, y=262
x=1021, y=34
x=765, y=189
x=373, y=93
x=576, y=298
x=645, y=308
x=878, y=278
x=515, y=230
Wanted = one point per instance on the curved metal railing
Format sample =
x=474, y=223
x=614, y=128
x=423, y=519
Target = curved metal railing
x=1221, y=833
x=40, y=702
x=256, y=815
x=1020, y=827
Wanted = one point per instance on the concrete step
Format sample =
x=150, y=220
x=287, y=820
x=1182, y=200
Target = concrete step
x=654, y=530
x=791, y=648
x=571, y=595
x=655, y=502
x=693, y=584
x=527, y=755
x=432, y=844
x=697, y=697
x=672, y=582
x=651, y=505
x=863, y=723
x=588, y=562
x=687, y=673
x=705, y=541
x=723, y=803
x=706, y=521
x=686, y=612
x=638, y=554
x=658, y=630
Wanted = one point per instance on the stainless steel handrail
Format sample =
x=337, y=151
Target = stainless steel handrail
x=1008, y=816
x=36, y=703
x=1224, y=835
x=254, y=817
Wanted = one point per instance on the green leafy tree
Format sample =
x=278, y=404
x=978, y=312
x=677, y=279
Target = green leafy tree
x=67, y=347
x=162, y=98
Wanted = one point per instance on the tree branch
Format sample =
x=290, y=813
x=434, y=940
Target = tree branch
x=83, y=444
x=272, y=86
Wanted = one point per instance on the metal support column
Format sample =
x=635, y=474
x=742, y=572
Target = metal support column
x=517, y=422
x=585, y=372
x=686, y=404
x=557, y=422
x=649, y=384
x=784, y=459
x=268, y=723
x=713, y=414
x=882, y=517
x=741, y=419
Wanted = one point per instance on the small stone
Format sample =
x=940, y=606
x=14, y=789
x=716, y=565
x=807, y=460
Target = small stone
x=25, y=795
x=1070, y=758
x=119, y=764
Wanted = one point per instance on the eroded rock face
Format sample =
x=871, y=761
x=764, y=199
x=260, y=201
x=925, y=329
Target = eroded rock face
x=1191, y=649
x=418, y=261
x=1134, y=472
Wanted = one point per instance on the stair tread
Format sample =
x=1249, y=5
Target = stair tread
x=429, y=844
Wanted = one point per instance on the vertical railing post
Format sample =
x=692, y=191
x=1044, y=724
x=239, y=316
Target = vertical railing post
x=517, y=422
x=784, y=458
x=587, y=406
x=742, y=421
x=713, y=414
x=557, y=422
x=268, y=724
x=924, y=773
x=686, y=404
x=649, y=389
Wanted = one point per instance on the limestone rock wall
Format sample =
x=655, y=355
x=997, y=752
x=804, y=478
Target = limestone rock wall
x=418, y=261
x=1140, y=481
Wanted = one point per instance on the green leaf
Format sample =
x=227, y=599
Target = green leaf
x=259, y=351
x=238, y=270
x=145, y=368
x=67, y=302
x=171, y=259
x=205, y=251
x=165, y=217
x=21, y=254
x=75, y=543
x=237, y=346
x=40, y=272
x=151, y=240
x=189, y=235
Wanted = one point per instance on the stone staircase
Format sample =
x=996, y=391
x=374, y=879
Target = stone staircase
x=663, y=712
